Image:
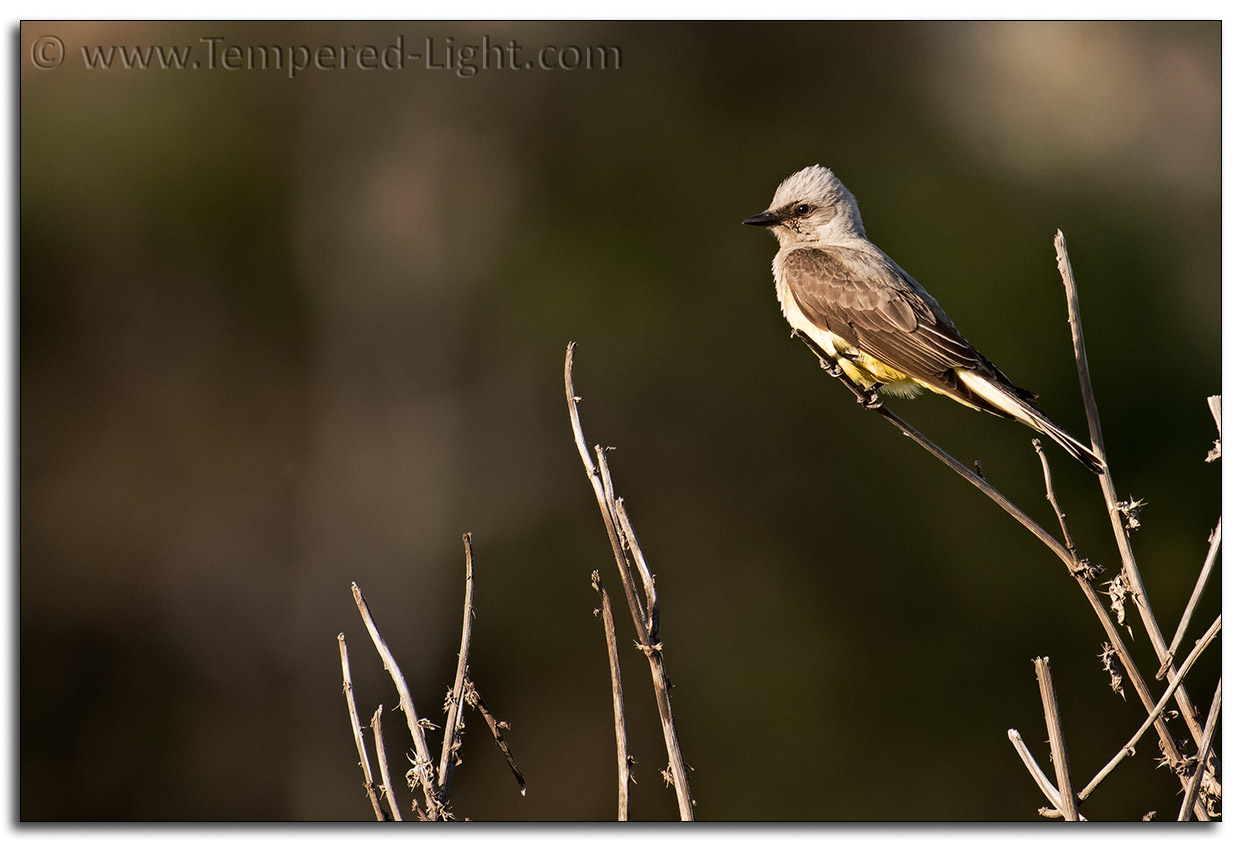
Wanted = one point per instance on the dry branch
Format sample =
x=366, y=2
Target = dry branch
x=455, y=708
x=359, y=743
x=474, y=700
x=1128, y=563
x=1052, y=500
x=1158, y=710
x=436, y=783
x=618, y=701
x=1056, y=739
x=381, y=757
x=1069, y=559
x=1195, y=596
x=1214, y=406
x=1209, y=731
x=1041, y=780
x=423, y=767
x=624, y=544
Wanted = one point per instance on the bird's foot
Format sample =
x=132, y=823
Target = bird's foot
x=831, y=366
x=870, y=397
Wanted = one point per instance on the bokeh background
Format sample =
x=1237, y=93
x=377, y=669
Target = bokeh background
x=280, y=334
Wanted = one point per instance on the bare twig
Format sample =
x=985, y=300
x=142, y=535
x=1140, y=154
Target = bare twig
x=618, y=701
x=1052, y=500
x=1209, y=731
x=381, y=758
x=636, y=550
x=1214, y=405
x=1041, y=780
x=1128, y=562
x=1195, y=596
x=1071, y=563
x=624, y=565
x=601, y=497
x=1056, y=738
x=973, y=477
x=1128, y=749
x=620, y=536
x=423, y=767
x=474, y=700
x=361, y=745
x=455, y=709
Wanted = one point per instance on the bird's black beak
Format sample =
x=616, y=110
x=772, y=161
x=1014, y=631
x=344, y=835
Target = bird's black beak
x=767, y=219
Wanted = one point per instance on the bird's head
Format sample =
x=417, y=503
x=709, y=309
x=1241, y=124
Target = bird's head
x=811, y=206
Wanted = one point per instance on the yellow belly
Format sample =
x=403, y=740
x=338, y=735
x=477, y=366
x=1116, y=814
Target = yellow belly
x=868, y=371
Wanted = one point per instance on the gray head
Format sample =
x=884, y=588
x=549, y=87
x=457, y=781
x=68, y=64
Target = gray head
x=812, y=206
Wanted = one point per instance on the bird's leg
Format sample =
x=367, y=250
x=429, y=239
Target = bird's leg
x=826, y=361
x=831, y=366
x=869, y=397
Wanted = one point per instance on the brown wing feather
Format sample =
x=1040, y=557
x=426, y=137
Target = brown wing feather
x=869, y=301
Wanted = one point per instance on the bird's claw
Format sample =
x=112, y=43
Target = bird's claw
x=831, y=367
x=870, y=397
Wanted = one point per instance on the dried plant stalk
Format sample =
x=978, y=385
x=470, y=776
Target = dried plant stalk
x=381, y=757
x=359, y=743
x=1129, y=565
x=618, y=701
x=423, y=767
x=453, y=717
x=621, y=537
x=1158, y=710
x=1056, y=739
x=1041, y=780
x=1209, y=731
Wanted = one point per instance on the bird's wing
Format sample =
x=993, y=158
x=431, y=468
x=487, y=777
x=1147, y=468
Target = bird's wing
x=867, y=300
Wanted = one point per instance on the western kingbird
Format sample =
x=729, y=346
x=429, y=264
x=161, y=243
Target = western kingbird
x=885, y=332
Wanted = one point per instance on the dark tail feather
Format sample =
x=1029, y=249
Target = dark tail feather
x=1012, y=403
x=1074, y=447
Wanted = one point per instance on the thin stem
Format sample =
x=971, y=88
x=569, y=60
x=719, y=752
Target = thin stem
x=1209, y=731
x=648, y=640
x=594, y=476
x=618, y=701
x=829, y=365
x=1084, y=584
x=1037, y=774
x=623, y=561
x=1208, y=564
x=359, y=743
x=636, y=550
x=423, y=766
x=1167, y=741
x=1056, y=738
x=1128, y=749
x=381, y=758
x=453, y=718
x=1128, y=562
x=474, y=700
x=1052, y=500
x=1214, y=406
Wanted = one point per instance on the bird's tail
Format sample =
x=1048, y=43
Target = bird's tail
x=1014, y=406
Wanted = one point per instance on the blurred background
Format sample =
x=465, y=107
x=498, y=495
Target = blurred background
x=278, y=334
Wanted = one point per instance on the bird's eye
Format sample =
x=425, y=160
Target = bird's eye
x=802, y=209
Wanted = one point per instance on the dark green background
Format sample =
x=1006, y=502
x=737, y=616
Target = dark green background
x=280, y=334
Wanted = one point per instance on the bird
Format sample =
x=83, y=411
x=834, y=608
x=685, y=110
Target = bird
x=871, y=319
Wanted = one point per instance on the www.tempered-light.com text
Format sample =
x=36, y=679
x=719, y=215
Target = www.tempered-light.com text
x=464, y=59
